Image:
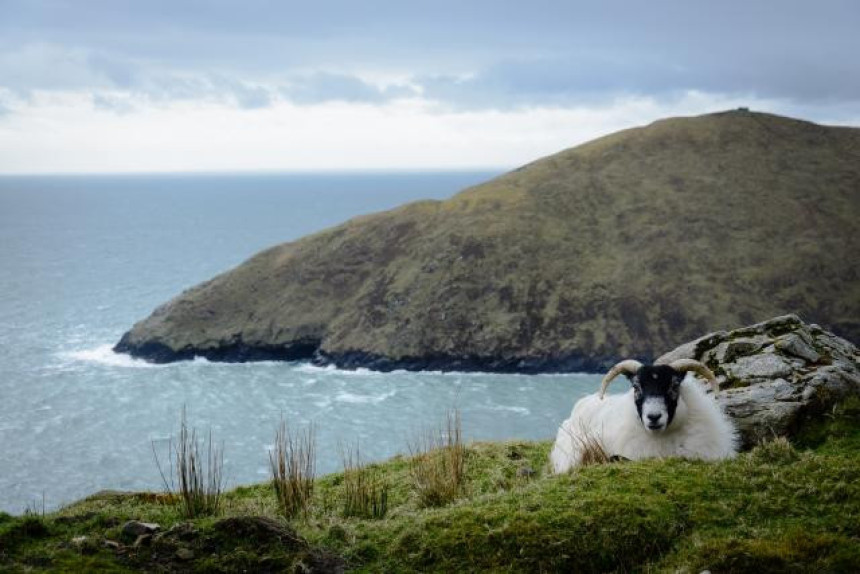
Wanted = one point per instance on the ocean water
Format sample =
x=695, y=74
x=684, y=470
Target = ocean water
x=84, y=257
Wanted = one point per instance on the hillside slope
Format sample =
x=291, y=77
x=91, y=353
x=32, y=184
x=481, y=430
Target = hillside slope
x=624, y=246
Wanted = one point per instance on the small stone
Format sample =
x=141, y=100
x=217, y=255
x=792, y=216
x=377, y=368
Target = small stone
x=525, y=472
x=185, y=554
x=184, y=531
x=79, y=540
x=134, y=528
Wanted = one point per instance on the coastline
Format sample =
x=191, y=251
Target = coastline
x=309, y=350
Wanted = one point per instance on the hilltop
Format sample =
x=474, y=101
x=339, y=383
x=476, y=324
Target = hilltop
x=625, y=246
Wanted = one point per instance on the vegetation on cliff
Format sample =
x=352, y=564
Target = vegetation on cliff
x=625, y=246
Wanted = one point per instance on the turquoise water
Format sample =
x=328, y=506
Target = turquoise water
x=84, y=257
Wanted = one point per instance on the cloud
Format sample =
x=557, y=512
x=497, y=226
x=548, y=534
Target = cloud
x=324, y=87
x=591, y=78
x=463, y=79
x=406, y=133
x=468, y=55
x=112, y=103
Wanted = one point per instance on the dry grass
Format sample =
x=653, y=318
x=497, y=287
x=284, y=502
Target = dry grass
x=365, y=492
x=438, y=464
x=293, y=464
x=591, y=447
x=196, y=481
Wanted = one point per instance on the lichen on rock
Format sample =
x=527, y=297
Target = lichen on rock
x=776, y=375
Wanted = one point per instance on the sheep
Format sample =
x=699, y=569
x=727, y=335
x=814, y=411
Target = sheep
x=664, y=414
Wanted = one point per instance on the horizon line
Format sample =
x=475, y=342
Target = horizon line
x=267, y=171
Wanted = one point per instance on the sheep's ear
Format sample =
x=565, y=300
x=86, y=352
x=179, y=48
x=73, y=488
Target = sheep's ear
x=633, y=378
x=677, y=379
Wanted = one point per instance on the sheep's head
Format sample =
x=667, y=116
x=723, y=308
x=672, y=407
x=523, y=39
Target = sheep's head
x=656, y=388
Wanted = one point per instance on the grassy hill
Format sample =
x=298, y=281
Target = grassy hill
x=779, y=508
x=624, y=246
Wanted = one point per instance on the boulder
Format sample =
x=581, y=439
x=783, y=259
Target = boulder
x=776, y=375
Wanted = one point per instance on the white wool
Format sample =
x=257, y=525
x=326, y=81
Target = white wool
x=700, y=429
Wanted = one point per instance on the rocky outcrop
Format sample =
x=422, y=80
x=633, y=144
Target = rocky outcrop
x=621, y=247
x=776, y=375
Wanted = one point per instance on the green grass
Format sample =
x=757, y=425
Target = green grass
x=778, y=508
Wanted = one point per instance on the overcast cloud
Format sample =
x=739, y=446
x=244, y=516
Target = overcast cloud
x=495, y=59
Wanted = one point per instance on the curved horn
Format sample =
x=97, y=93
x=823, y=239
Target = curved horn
x=628, y=367
x=687, y=365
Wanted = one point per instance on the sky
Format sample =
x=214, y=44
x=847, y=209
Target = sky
x=92, y=86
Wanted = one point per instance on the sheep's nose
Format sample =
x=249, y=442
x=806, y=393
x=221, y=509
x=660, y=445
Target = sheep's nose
x=654, y=418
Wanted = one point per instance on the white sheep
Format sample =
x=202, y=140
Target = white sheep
x=664, y=414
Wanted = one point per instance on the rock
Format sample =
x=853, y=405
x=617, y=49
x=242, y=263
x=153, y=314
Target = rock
x=183, y=531
x=796, y=345
x=85, y=544
x=133, y=528
x=525, y=472
x=777, y=375
x=765, y=366
x=185, y=554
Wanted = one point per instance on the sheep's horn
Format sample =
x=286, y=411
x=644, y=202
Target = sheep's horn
x=628, y=367
x=686, y=365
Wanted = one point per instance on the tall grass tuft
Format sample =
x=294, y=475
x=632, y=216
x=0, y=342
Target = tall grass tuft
x=438, y=463
x=591, y=447
x=365, y=493
x=197, y=481
x=293, y=463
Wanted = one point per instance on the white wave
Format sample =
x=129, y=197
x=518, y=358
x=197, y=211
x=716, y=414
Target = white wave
x=105, y=355
x=347, y=397
x=323, y=403
x=510, y=409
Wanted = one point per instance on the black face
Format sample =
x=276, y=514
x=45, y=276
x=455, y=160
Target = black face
x=655, y=390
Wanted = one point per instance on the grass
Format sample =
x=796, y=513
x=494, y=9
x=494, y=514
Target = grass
x=782, y=507
x=438, y=463
x=365, y=489
x=197, y=481
x=293, y=464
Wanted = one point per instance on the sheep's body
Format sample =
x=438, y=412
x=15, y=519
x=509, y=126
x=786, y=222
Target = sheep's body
x=700, y=429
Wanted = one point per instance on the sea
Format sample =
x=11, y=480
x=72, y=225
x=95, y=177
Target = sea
x=84, y=257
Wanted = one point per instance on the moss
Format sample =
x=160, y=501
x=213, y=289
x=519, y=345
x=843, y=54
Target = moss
x=795, y=551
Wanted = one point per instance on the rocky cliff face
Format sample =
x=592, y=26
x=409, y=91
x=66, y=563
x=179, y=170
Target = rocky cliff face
x=622, y=247
x=776, y=375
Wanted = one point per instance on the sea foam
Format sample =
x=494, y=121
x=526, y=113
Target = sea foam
x=105, y=355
